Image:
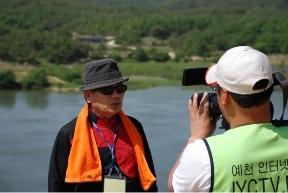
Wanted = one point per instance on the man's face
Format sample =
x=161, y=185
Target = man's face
x=105, y=105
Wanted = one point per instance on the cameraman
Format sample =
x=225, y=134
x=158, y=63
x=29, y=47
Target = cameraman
x=250, y=157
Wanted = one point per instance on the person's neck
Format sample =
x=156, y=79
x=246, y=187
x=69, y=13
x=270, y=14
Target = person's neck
x=109, y=118
x=246, y=116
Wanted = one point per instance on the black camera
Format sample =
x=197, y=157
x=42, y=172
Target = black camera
x=196, y=76
x=213, y=104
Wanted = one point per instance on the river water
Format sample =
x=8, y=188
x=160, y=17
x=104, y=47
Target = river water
x=29, y=122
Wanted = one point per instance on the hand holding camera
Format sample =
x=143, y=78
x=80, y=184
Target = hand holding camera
x=213, y=104
x=202, y=125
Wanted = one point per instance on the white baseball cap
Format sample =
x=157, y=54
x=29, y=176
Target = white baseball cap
x=239, y=69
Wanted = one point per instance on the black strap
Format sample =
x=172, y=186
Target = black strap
x=284, y=85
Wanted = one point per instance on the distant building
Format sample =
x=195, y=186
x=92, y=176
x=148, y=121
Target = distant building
x=93, y=39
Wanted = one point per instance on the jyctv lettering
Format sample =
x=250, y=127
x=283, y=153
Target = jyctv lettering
x=261, y=185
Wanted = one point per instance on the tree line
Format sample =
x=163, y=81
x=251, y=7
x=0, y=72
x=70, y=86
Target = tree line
x=33, y=31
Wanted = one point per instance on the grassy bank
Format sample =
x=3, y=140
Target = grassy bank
x=141, y=75
x=150, y=74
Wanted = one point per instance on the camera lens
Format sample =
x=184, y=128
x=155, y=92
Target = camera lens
x=213, y=104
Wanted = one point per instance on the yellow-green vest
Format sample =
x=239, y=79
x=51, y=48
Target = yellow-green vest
x=252, y=158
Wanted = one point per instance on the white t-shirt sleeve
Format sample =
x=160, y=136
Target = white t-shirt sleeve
x=194, y=171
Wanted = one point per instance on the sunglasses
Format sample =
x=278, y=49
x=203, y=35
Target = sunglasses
x=110, y=89
x=215, y=88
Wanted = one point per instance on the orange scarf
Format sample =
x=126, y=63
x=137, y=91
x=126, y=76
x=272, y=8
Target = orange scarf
x=84, y=164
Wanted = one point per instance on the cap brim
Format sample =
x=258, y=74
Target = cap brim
x=102, y=84
x=210, y=75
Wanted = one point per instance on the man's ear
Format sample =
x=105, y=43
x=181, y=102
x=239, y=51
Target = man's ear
x=224, y=96
x=87, y=95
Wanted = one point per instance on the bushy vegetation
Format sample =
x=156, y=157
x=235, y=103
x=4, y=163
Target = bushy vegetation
x=58, y=77
x=35, y=79
x=67, y=74
x=50, y=35
x=8, y=80
x=33, y=31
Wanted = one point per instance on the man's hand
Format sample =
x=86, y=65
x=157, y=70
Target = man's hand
x=201, y=124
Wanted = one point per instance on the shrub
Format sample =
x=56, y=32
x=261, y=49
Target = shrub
x=35, y=79
x=158, y=55
x=115, y=56
x=7, y=80
x=140, y=55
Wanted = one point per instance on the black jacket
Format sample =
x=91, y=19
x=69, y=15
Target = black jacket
x=59, y=162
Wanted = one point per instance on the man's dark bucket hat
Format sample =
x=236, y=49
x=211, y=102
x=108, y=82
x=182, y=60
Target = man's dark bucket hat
x=101, y=73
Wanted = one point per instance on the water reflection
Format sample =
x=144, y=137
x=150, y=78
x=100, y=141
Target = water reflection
x=36, y=99
x=7, y=99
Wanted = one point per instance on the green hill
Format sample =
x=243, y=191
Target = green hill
x=37, y=31
x=154, y=39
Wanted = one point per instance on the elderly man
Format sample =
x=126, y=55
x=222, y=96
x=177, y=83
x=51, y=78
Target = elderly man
x=102, y=149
